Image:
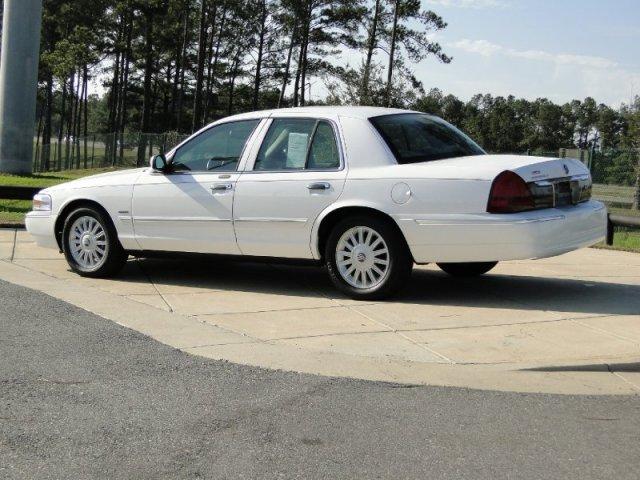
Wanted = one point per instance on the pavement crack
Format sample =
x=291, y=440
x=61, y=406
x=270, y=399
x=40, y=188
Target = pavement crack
x=13, y=248
x=613, y=372
x=602, y=331
x=151, y=282
x=401, y=334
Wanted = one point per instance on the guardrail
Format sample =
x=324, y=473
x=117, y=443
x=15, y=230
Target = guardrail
x=620, y=221
x=18, y=193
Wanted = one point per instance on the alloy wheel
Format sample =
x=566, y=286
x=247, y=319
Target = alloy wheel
x=362, y=257
x=88, y=243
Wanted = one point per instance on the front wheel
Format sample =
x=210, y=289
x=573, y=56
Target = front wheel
x=470, y=269
x=91, y=245
x=367, y=258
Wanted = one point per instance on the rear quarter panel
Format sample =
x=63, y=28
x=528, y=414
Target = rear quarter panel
x=430, y=199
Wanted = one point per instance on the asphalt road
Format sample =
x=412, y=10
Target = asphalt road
x=82, y=397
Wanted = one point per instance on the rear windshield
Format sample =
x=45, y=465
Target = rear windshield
x=413, y=138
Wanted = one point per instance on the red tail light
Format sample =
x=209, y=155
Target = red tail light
x=510, y=194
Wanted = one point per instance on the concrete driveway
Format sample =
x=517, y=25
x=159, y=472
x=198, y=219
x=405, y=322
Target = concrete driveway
x=568, y=324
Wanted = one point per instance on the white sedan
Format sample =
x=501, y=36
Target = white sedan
x=367, y=192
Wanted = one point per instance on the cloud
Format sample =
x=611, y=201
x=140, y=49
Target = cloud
x=487, y=49
x=558, y=76
x=481, y=47
x=470, y=3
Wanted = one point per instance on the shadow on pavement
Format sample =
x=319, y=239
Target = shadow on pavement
x=425, y=288
x=633, y=367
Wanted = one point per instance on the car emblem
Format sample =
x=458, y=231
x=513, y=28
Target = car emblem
x=361, y=257
x=566, y=169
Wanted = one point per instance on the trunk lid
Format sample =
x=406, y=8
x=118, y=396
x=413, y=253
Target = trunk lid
x=488, y=167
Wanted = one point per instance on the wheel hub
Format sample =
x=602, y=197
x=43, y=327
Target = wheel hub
x=87, y=242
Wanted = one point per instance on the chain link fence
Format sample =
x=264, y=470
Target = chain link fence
x=103, y=150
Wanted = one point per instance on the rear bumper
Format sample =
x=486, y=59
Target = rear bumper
x=491, y=237
x=41, y=227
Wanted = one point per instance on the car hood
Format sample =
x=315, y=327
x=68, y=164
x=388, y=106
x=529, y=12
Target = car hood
x=487, y=167
x=119, y=177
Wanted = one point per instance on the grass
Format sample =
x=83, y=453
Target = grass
x=601, y=189
x=13, y=211
x=48, y=179
x=626, y=240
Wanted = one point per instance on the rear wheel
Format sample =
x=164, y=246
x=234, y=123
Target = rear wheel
x=91, y=245
x=470, y=269
x=367, y=258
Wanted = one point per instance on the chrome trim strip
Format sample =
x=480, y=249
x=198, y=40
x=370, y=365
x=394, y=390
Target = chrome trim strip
x=489, y=222
x=271, y=219
x=180, y=219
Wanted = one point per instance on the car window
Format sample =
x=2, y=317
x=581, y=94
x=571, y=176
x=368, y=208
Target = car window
x=298, y=144
x=216, y=149
x=421, y=138
x=324, y=151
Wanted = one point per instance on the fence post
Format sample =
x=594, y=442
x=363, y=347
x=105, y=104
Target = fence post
x=36, y=161
x=93, y=150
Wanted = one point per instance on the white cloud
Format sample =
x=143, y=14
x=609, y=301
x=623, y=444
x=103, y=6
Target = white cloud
x=470, y=3
x=539, y=73
x=481, y=47
x=487, y=49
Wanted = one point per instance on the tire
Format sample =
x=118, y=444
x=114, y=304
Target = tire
x=365, y=282
x=90, y=244
x=471, y=269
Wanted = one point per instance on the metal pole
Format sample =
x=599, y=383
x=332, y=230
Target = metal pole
x=19, y=83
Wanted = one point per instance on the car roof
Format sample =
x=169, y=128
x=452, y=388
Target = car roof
x=343, y=111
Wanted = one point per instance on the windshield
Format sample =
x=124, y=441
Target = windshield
x=414, y=137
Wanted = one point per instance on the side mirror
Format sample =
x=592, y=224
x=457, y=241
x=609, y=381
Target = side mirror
x=159, y=163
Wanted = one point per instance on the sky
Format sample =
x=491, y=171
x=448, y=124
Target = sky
x=558, y=49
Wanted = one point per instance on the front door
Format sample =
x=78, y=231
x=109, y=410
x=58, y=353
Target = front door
x=298, y=172
x=190, y=208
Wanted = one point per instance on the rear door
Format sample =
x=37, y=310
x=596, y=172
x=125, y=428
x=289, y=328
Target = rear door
x=298, y=171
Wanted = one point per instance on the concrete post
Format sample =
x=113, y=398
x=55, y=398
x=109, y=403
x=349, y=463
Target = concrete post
x=19, y=83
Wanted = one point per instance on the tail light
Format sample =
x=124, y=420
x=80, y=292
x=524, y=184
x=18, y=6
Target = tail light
x=510, y=194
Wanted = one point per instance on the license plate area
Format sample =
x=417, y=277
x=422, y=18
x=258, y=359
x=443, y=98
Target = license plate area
x=561, y=192
x=572, y=191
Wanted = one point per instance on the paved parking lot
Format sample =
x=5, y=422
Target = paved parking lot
x=569, y=324
x=82, y=397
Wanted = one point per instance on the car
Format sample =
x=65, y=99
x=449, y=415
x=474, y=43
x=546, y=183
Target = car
x=367, y=192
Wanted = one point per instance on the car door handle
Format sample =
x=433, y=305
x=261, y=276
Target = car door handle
x=319, y=186
x=221, y=187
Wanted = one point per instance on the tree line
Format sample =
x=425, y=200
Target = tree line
x=509, y=124
x=175, y=65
